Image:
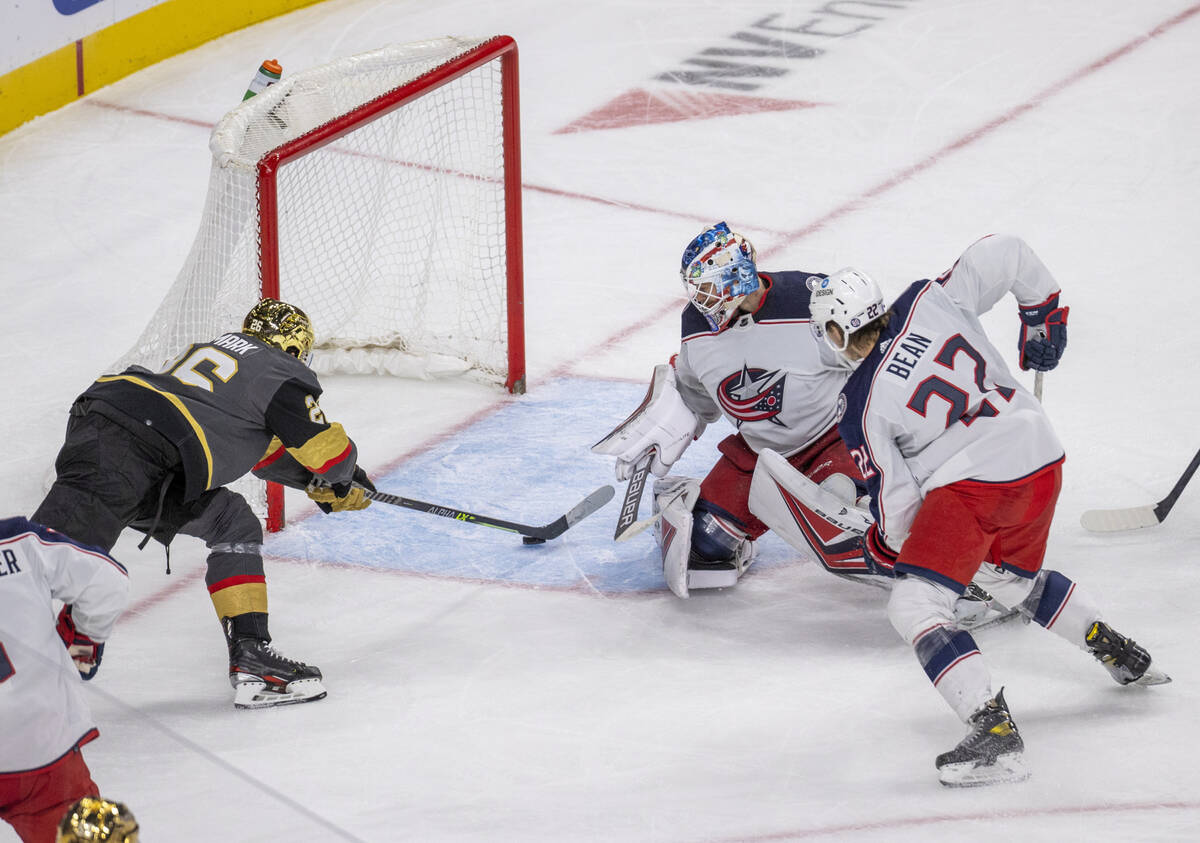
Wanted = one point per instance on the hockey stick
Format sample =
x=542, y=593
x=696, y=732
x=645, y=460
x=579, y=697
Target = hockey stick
x=633, y=498
x=1135, y=517
x=532, y=535
x=637, y=527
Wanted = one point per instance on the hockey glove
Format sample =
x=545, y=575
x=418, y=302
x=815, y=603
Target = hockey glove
x=1043, y=335
x=341, y=497
x=663, y=426
x=85, y=652
x=880, y=558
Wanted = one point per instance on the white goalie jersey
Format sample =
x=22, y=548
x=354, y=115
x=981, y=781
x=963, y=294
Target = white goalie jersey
x=42, y=704
x=765, y=371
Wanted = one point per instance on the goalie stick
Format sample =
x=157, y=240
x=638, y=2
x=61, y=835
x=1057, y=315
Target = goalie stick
x=633, y=499
x=1135, y=517
x=552, y=530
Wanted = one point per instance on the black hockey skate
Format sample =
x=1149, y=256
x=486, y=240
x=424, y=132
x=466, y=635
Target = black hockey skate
x=1124, y=660
x=991, y=753
x=261, y=677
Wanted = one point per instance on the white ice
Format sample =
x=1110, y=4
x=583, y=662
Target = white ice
x=482, y=690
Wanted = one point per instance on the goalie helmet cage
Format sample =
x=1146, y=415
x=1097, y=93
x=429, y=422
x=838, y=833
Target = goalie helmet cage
x=381, y=193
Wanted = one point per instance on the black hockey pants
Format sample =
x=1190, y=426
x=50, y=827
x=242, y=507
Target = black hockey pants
x=113, y=475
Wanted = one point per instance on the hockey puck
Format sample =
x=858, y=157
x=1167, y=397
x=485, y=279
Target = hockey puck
x=532, y=540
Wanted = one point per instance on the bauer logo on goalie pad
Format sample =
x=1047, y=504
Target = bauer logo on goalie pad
x=807, y=516
x=837, y=545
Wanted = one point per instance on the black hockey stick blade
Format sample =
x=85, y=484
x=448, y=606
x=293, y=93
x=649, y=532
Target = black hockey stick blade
x=1136, y=517
x=545, y=532
x=633, y=497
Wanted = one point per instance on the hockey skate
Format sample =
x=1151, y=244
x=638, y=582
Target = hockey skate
x=991, y=753
x=262, y=678
x=1124, y=660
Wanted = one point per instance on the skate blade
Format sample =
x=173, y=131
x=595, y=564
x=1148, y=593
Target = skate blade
x=1004, y=770
x=256, y=694
x=1152, y=676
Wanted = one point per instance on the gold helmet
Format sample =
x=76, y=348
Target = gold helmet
x=282, y=325
x=96, y=819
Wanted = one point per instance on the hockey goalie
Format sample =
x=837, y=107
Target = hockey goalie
x=747, y=355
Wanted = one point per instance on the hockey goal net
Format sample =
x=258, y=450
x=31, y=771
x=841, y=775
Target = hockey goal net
x=381, y=194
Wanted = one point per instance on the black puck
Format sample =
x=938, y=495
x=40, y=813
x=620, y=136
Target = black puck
x=532, y=540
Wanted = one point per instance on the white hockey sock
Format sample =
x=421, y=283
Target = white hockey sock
x=1061, y=606
x=923, y=613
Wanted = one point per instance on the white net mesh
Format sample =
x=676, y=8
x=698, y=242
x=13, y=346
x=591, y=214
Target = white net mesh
x=391, y=237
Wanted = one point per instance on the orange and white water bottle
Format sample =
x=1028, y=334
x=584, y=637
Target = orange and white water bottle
x=268, y=74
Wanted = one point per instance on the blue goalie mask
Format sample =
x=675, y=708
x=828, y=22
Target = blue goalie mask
x=718, y=271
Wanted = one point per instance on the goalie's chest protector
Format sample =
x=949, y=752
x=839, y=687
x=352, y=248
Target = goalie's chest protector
x=766, y=371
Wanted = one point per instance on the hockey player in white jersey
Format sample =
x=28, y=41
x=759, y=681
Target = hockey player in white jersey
x=45, y=718
x=963, y=465
x=746, y=354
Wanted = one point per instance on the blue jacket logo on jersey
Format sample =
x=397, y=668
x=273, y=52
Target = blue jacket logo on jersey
x=752, y=395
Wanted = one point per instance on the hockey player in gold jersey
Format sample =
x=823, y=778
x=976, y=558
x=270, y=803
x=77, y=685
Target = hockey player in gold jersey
x=153, y=451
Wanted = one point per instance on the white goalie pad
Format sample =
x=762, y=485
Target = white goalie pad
x=807, y=516
x=662, y=422
x=674, y=500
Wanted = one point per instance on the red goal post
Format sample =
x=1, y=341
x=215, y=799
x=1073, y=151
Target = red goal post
x=501, y=48
x=381, y=193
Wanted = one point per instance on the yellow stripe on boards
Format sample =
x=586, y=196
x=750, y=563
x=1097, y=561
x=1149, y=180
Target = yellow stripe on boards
x=112, y=53
x=37, y=88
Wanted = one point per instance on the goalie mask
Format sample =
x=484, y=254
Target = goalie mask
x=849, y=299
x=96, y=819
x=282, y=325
x=718, y=271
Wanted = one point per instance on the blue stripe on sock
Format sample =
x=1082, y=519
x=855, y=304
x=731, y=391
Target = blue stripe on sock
x=1054, y=593
x=941, y=648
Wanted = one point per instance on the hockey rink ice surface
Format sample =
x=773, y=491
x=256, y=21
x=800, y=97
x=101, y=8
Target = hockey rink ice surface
x=483, y=690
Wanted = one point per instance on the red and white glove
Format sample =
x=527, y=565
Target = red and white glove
x=880, y=558
x=85, y=652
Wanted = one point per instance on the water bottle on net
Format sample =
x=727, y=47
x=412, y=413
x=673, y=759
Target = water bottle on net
x=268, y=74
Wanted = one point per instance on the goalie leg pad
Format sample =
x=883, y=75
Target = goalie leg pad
x=699, y=549
x=808, y=517
x=674, y=497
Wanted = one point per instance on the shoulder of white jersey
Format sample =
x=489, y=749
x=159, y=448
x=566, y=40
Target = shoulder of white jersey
x=788, y=297
x=859, y=384
x=902, y=306
x=693, y=323
x=15, y=527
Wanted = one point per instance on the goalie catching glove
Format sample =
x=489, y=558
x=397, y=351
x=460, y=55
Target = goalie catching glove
x=341, y=497
x=662, y=425
x=85, y=652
